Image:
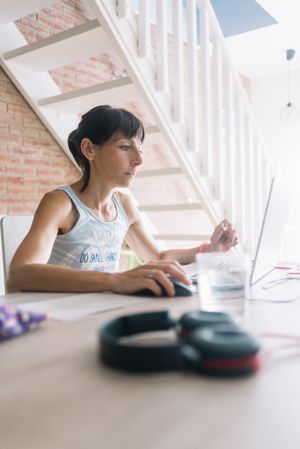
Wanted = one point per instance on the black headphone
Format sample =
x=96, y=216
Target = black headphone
x=207, y=342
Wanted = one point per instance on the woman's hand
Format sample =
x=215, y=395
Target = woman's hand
x=151, y=275
x=224, y=237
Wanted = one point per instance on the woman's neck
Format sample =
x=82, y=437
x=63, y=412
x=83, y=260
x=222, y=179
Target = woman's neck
x=97, y=198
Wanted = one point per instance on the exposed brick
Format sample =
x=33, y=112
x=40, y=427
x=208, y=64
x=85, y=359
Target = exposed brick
x=58, y=164
x=45, y=134
x=12, y=89
x=33, y=122
x=20, y=171
x=50, y=172
x=53, y=24
x=41, y=190
x=21, y=190
x=24, y=111
x=9, y=160
x=11, y=139
x=11, y=179
x=3, y=129
x=39, y=181
x=10, y=119
x=3, y=209
x=9, y=200
x=65, y=73
x=40, y=163
x=21, y=150
x=21, y=210
x=38, y=143
x=12, y=98
x=3, y=76
x=28, y=132
x=3, y=86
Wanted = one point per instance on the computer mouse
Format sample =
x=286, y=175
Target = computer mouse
x=180, y=290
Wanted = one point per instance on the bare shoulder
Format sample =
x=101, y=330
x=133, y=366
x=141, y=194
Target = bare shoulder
x=130, y=206
x=56, y=198
x=55, y=207
x=55, y=201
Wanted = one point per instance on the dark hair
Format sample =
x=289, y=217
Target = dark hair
x=98, y=125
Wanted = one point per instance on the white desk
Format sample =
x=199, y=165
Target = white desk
x=54, y=394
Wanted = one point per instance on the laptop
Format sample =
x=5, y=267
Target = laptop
x=266, y=282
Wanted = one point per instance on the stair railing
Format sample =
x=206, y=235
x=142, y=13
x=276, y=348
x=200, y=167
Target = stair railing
x=181, y=61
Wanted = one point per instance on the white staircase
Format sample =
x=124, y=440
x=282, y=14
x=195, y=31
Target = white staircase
x=179, y=68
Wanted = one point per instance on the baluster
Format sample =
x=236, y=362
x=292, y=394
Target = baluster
x=205, y=91
x=178, y=87
x=123, y=8
x=161, y=46
x=144, y=30
x=192, y=76
x=217, y=153
x=239, y=184
x=229, y=143
x=249, y=185
x=258, y=188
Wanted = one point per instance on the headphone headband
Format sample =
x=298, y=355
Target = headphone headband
x=208, y=342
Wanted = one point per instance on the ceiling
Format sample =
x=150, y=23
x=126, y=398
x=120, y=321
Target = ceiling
x=266, y=29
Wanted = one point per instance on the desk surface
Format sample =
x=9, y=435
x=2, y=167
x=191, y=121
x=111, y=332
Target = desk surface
x=55, y=394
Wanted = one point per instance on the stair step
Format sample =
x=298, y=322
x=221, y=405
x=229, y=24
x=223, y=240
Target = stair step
x=153, y=135
x=159, y=172
x=15, y=9
x=152, y=129
x=170, y=207
x=62, y=48
x=198, y=237
x=114, y=92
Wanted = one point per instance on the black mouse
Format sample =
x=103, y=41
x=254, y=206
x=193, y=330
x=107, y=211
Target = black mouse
x=180, y=290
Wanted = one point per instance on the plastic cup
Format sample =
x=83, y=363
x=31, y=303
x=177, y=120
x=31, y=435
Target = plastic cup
x=223, y=280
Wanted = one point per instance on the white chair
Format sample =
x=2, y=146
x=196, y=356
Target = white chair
x=13, y=230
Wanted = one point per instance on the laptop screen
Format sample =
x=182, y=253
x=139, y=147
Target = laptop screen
x=272, y=230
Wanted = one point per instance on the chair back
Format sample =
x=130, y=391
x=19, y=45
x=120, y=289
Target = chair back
x=13, y=229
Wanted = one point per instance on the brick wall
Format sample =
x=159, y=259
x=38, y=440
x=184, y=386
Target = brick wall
x=31, y=162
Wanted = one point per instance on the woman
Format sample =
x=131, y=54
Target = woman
x=77, y=231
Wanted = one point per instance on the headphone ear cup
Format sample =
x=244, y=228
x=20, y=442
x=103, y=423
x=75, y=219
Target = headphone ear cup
x=198, y=319
x=223, y=350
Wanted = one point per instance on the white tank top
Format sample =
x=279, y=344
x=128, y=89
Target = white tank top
x=92, y=244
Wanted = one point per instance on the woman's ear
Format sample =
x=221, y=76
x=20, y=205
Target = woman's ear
x=88, y=149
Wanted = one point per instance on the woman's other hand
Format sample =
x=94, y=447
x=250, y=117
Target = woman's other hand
x=224, y=237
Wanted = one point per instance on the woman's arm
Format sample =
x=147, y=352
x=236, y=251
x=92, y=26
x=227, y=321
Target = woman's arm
x=222, y=239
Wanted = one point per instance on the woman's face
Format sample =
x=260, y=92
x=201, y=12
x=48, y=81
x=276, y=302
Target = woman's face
x=117, y=160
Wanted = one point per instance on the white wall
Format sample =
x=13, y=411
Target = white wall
x=269, y=95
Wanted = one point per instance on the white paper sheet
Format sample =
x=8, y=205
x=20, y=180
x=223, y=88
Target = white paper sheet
x=70, y=307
